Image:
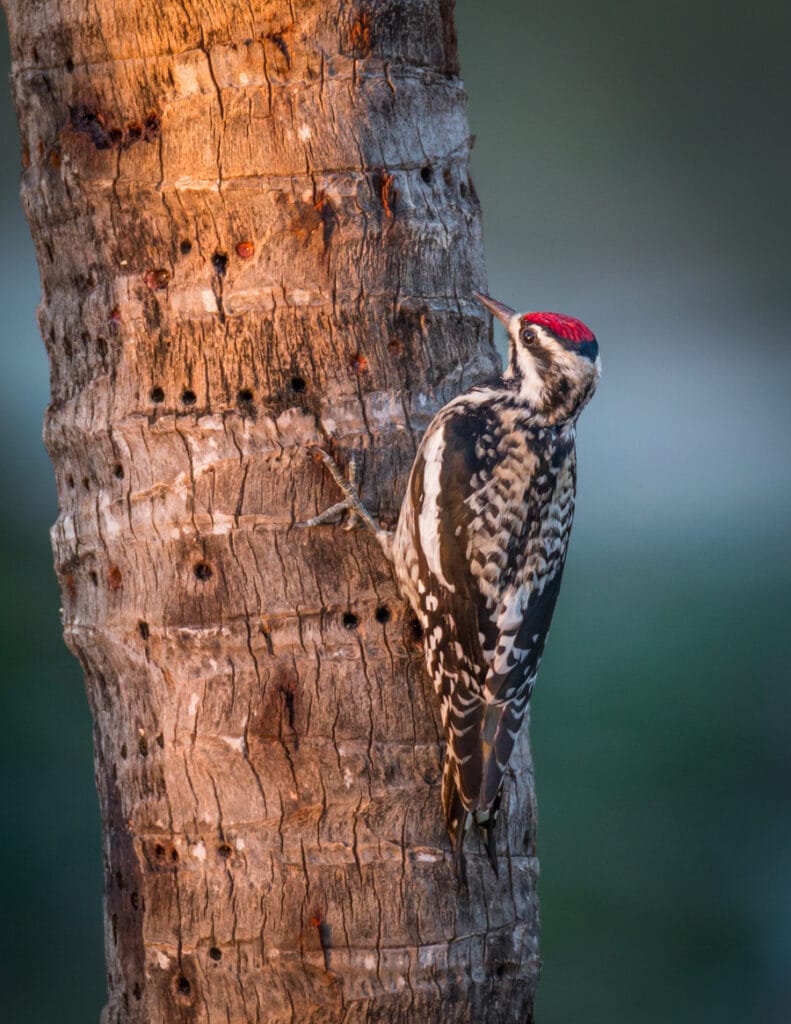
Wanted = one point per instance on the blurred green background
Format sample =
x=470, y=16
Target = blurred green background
x=633, y=162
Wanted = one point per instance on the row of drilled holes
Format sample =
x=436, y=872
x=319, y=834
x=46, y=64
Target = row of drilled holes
x=244, y=397
x=350, y=620
x=203, y=571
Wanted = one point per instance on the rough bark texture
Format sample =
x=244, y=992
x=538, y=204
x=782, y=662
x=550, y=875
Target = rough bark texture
x=256, y=233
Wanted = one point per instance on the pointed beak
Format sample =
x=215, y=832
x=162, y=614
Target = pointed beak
x=498, y=309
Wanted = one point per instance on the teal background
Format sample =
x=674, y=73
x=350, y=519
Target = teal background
x=633, y=163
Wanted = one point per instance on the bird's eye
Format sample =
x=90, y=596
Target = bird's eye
x=529, y=336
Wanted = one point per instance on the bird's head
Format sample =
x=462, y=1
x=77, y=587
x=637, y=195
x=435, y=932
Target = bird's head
x=553, y=360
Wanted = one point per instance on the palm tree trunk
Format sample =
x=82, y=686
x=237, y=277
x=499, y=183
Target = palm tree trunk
x=256, y=234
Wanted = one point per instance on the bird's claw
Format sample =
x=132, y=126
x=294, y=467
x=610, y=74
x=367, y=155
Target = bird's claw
x=351, y=504
x=326, y=515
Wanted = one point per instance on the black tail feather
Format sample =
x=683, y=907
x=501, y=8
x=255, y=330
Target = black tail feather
x=491, y=845
x=489, y=826
x=459, y=860
x=458, y=820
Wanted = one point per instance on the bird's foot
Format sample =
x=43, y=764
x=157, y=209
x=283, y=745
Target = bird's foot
x=352, y=504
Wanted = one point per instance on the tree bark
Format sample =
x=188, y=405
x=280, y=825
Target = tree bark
x=256, y=234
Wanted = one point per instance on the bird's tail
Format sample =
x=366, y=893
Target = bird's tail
x=459, y=819
x=487, y=822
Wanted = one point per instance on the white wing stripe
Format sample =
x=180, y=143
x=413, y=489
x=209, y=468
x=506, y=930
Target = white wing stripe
x=428, y=521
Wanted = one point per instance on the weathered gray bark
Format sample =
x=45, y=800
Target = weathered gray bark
x=256, y=233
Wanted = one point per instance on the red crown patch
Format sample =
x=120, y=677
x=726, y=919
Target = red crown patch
x=566, y=327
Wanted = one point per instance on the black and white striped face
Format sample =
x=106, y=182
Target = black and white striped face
x=553, y=360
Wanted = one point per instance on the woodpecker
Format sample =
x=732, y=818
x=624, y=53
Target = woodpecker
x=480, y=545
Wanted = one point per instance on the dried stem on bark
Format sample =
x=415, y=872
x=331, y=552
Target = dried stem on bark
x=256, y=234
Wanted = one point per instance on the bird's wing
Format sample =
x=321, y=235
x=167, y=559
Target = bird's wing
x=525, y=607
x=492, y=528
x=511, y=676
x=472, y=600
x=523, y=620
x=445, y=594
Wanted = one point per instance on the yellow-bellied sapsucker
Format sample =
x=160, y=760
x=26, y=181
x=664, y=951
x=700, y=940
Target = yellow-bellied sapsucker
x=480, y=545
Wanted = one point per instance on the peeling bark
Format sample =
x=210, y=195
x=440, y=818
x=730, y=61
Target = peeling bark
x=256, y=234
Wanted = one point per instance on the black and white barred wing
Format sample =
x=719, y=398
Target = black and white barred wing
x=524, y=620
x=541, y=522
x=466, y=512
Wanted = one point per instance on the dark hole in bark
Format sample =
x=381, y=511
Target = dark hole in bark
x=118, y=471
x=183, y=986
x=298, y=384
x=143, y=630
x=161, y=741
x=188, y=397
x=69, y=65
x=417, y=630
x=123, y=751
x=134, y=899
x=174, y=856
x=94, y=578
x=70, y=481
x=119, y=879
x=426, y=174
x=159, y=851
x=152, y=126
x=463, y=189
x=186, y=247
x=288, y=697
x=245, y=396
x=157, y=395
x=137, y=992
x=203, y=571
x=350, y=620
x=215, y=953
x=92, y=123
x=325, y=938
x=142, y=746
x=383, y=614
x=224, y=850
x=220, y=262
x=86, y=483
